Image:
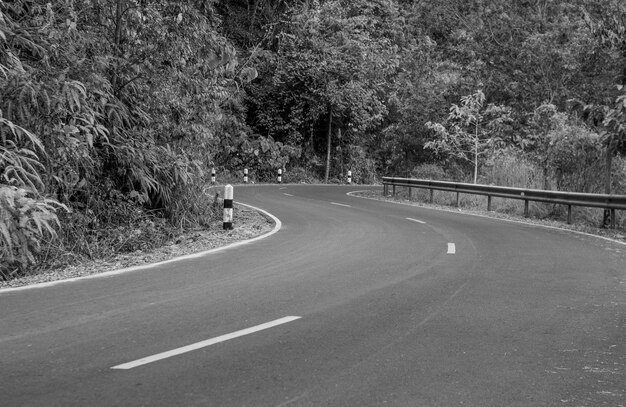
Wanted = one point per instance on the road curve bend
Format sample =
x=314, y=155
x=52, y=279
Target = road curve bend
x=353, y=302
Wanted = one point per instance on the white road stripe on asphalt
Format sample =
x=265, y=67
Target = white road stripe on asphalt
x=284, y=193
x=204, y=344
x=451, y=248
x=338, y=204
x=415, y=220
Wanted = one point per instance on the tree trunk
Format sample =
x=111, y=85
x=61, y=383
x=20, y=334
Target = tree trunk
x=119, y=11
x=607, y=179
x=609, y=163
x=546, y=175
x=340, y=153
x=328, y=143
x=476, y=155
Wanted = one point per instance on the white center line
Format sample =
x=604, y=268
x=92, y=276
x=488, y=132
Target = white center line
x=203, y=344
x=451, y=248
x=338, y=204
x=284, y=193
x=415, y=220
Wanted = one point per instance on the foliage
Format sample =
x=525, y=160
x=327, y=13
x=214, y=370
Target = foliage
x=26, y=218
x=25, y=221
x=329, y=74
x=576, y=155
x=120, y=104
x=473, y=130
x=614, y=123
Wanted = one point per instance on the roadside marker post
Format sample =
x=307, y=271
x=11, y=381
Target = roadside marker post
x=349, y=177
x=280, y=176
x=212, y=175
x=245, y=175
x=228, y=207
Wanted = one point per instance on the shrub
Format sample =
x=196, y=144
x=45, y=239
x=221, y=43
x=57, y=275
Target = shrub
x=25, y=221
x=26, y=218
x=429, y=171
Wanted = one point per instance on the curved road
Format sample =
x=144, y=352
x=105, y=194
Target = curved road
x=354, y=302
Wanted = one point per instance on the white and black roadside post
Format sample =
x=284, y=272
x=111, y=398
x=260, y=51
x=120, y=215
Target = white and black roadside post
x=212, y=175
x=228, y=207
x=245, y=175
x=280, y=176
x=349, y=177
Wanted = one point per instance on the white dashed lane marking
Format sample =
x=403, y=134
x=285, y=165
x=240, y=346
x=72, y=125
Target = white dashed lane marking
x=204, y=344
x=284, y=193
x=338, y=204
x=415, y=220
x=451, y=248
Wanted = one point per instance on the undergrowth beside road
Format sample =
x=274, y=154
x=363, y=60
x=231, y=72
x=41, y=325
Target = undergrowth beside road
x=170, y=243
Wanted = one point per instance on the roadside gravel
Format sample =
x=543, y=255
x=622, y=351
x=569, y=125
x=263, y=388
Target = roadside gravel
x=248, y=224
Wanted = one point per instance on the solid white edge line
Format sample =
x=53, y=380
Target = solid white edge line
x=459, y=212
x=277, y=226
x=204, y=344
x=340, y=204
x=415, y=220
x=451, y=248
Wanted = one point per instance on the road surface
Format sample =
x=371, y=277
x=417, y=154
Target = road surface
x=353, y=302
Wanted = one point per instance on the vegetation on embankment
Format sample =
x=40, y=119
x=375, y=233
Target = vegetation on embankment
x=113, y=112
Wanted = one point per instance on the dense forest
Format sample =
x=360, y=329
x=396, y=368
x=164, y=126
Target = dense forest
x=113, y=112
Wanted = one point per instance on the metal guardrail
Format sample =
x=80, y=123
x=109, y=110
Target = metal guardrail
x=611, y=202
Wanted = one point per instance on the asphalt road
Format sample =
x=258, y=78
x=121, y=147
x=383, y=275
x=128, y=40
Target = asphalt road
x=443, y=309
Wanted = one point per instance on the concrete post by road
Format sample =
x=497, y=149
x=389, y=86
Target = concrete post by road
x=349, y=177
x=245, y=175
x=228, y=207
x=280, y=176
x=212, y=175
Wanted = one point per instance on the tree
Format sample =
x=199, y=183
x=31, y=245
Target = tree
x=607, y=23
x=613, y=134
x=330, y=74
x=472, y=130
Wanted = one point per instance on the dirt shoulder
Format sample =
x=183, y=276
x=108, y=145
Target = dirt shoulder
x=248, y=224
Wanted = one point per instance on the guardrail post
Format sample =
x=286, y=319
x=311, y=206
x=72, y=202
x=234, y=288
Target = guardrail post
x=245, y=175
x=526, y=208
x=228, y=207
x=432, y=195
x=393, y=189
x=410, y=191
x=569, y=214
x=613, y=219
x=457, y=199
x=488, y=203
x=212, y=175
